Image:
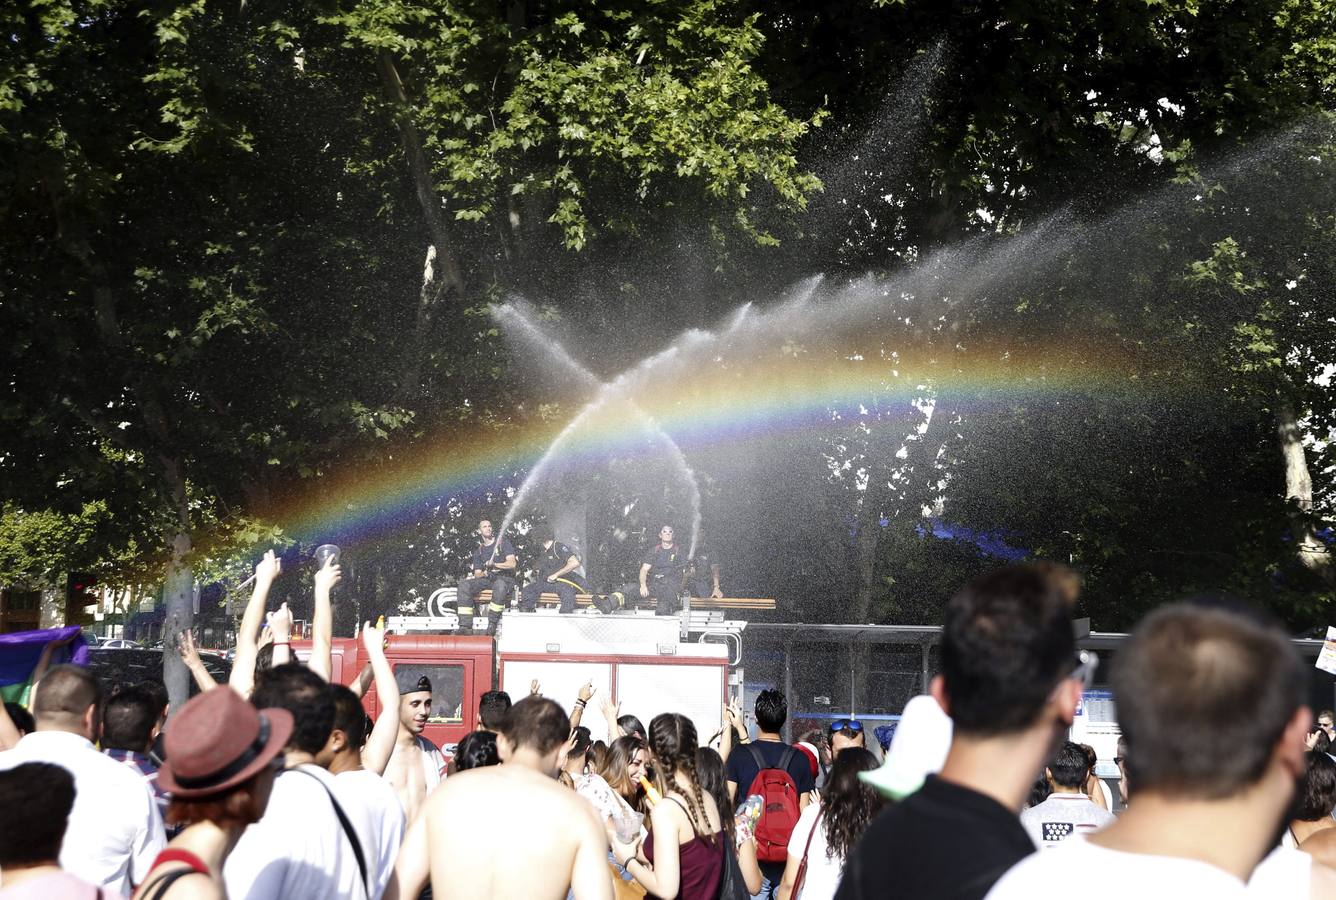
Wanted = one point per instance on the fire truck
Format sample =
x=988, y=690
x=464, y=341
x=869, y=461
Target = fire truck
x=688, y=663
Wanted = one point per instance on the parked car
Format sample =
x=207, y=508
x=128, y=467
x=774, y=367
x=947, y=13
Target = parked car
x=117, y=667
x=120, y=644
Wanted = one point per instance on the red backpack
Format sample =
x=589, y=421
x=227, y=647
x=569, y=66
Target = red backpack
x=779, y=806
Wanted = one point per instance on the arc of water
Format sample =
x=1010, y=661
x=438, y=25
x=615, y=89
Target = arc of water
x=605, y=395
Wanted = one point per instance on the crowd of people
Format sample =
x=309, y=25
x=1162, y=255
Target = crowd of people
x=278, y=785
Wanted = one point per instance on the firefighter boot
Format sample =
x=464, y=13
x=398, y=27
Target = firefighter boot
x=494, y=611
x=465, y=619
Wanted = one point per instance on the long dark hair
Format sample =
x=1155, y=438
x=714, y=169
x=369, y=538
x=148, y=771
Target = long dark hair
x=672, y=739
x=848, y=804
x=710, y=770
x=614, y=764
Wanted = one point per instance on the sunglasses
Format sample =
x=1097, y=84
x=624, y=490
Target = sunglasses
x=853, y=726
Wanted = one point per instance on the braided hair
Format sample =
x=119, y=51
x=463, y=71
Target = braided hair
x=672, y=738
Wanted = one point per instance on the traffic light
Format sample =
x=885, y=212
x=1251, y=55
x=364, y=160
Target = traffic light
x=80, y=598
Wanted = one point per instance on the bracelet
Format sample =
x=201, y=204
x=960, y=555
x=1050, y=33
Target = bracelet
x=282, y=643
x=580, y=703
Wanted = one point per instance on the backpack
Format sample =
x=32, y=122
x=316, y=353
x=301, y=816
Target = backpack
x=779, y=806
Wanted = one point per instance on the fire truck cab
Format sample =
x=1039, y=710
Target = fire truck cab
x=649, y=664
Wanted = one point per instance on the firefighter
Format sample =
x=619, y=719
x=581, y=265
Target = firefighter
x=493, y=563
x=556, y=573
x=661, y=574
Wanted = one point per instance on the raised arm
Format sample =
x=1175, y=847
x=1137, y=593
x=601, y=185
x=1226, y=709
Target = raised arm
x=280, y=626
x=611, y=709
x=732, y=722
x=322, y=618
x=380, y=745
x=185, y=645
x=581, y=701
x=242, y=679
x=363, y=681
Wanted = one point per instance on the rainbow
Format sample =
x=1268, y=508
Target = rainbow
x=709, y=406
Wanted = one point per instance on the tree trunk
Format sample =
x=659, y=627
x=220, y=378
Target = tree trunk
x=178, y=596
x=1313, y=553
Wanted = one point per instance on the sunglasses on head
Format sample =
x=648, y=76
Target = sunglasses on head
x=853, y=726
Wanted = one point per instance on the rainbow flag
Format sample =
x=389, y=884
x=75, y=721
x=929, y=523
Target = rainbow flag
x=21, y=651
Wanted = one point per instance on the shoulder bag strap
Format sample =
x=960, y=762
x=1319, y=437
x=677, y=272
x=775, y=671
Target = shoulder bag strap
x=163, y=883
x=348, y=830
x=802, y=867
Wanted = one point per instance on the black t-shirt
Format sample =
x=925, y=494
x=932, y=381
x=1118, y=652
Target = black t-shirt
x=945, y=842
x=665, y=562
x=742, y=769
x=553, y=559
x=702, y=562
x=484, y=553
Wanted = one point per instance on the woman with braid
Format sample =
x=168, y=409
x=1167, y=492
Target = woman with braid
x=683, y=856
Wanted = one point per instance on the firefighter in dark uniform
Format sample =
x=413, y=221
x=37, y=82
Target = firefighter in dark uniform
x=661, y=574
x=703, y=576
x=493, y=564
x=556, y=567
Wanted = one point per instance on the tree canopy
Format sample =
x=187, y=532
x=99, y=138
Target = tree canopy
x=248, y=249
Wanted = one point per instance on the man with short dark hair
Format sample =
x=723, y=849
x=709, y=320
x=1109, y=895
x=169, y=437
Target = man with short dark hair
x=36, y=799
x=493, y=566
x=130, y=721
x=492, y=710
x=1211, y=702
x=115, y=830
x=369, y=800
x=1009, y=683
x=553, y=841
x=769, y=751
x=1068, y=810
x=301, y=848
x=556, y=571
x=416, y=765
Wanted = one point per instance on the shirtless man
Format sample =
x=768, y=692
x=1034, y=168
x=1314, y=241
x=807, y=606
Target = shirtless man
x=553, y=841
x=416, y=766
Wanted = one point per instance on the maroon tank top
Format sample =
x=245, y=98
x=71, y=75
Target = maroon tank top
x=701, y=861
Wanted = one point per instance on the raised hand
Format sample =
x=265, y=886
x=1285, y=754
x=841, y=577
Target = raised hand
x=328, y=575
x=267, y=569
x=280, y=623
x=587, y=690
x=185, y=647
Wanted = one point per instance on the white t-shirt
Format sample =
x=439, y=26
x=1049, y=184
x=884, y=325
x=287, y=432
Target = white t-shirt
x=433, y=763
x=823, y=873
x=114, y=831
x=298, y=850
x=1061, y=816
x=1285, y=872
x=1080, y=868
x=376, y=813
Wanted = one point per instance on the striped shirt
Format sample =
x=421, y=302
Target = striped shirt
x=144, y=766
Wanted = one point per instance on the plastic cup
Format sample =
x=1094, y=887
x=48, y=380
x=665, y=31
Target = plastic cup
x=324, y=553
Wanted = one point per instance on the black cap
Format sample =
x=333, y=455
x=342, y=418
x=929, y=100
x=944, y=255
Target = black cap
x=408, y=686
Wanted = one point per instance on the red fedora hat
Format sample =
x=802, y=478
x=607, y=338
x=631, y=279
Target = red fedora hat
x=217, y=741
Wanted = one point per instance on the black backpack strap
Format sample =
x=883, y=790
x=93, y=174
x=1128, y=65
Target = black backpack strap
x=348, y=830
x=163, y=883
x=756, y=755
x=785, y=758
